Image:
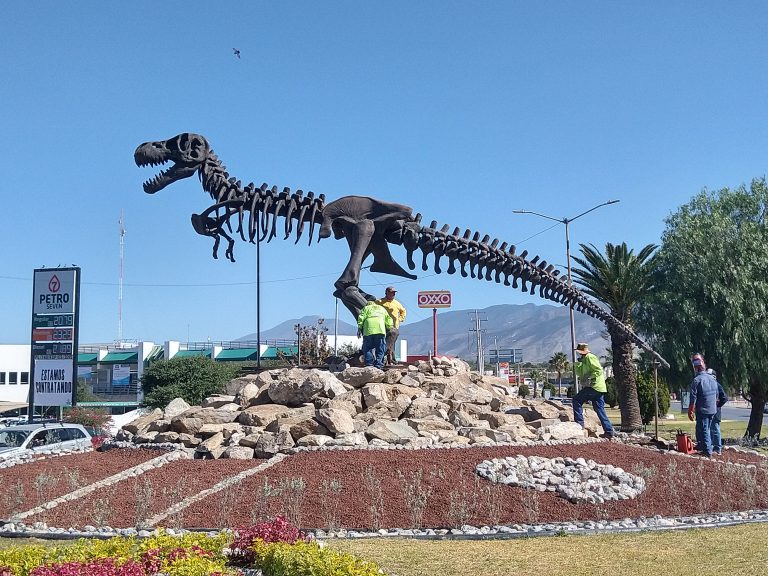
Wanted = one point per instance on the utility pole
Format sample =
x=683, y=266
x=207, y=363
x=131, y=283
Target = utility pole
x=567, y=221
x=479, y=340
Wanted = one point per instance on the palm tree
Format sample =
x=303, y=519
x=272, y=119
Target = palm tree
x=559, y=363
x=537, y=375
x=619, y=279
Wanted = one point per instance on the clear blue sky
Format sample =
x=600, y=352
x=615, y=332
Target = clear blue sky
x=463, y=110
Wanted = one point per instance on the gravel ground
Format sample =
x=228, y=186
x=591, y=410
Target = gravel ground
x=28, y=485
x=133, y=500
x=372, y=489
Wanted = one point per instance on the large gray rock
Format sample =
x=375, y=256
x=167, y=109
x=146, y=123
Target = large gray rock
x=270, y=444
x=428, y=424
x=217, y=401
x=499, y=419
x=359, y=377
x=424, y=407
x=563, y=431
x=298, y=427
x=251, y=395
x=237, y=452
x=161, y=425
x=176, y=407
x=227, y=429
x=142, y=423
x=314, y=440
x=262, y=415
x=391, y=410
x=172, y=437
x=390, y=431
x=210, y=444
x=250, y=440
x=337, y=421
x=473, y=394
x=145, y=437
x=296, y=386
x=374, y=394
x=236, y=384
x=191, y=421
x=354, y=439
x=518, y=432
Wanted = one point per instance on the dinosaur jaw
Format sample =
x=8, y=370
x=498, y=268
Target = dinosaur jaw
x=166, y=177
x=187, y=151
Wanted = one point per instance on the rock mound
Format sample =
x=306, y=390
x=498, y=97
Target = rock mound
x=437, y=402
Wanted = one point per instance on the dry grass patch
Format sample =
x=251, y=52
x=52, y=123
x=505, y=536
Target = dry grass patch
x=736, y=551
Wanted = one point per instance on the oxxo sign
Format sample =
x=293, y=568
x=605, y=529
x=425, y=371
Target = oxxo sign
x=434, y=299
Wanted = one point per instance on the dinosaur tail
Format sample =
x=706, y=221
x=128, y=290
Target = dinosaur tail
x=485, y=259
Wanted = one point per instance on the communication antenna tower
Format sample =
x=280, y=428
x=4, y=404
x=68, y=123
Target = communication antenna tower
x=121, y=222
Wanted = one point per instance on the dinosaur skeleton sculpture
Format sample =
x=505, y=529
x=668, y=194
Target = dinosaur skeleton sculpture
x=369, y=225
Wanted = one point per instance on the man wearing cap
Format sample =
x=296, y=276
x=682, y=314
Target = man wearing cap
x=703, y=401
x=714, y=430
x=397, y=313
x=593, y=388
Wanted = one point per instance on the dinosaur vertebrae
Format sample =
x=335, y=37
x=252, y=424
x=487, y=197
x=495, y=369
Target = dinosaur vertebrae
x=263, y=204
x=489, y=260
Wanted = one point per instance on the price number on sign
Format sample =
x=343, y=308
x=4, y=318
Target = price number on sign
x=434, y=299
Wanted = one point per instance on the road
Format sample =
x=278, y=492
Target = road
x=731, y=411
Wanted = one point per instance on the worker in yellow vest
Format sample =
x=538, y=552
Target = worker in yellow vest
x=373, y=323
x=397, y=312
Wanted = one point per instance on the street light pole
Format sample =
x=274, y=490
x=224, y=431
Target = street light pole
x=567, y=221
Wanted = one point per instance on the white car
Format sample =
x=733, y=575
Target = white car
x=37, y=438
x=12, y=421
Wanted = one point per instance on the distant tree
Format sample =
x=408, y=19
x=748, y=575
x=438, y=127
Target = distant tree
x=192, y=378
x=537, y=375
x=523, y=391
x=313, y=343
x=620, y=279
x=559, y=363
x=83, y=394
x=712, y=289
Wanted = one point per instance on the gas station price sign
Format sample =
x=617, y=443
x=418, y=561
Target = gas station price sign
x=53, y=321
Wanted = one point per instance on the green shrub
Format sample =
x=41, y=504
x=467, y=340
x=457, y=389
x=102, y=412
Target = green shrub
x=523, y=391
x=645, y=395
x=308, y=559
x=192, y=378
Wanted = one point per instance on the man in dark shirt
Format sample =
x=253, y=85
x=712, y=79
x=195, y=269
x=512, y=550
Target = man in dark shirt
x=703, y=403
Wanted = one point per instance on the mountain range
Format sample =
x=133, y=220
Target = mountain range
x=539, y=330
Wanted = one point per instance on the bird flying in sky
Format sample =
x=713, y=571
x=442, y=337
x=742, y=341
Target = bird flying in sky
x=236, y=51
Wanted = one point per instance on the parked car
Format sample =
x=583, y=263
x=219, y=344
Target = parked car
x=12, y=421
x=35, y=438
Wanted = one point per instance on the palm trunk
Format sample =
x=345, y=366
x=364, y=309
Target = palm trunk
x=757, y=397
x=625, y=376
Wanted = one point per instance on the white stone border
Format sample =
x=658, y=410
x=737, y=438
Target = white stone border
x=224, y=484
x=156, y=462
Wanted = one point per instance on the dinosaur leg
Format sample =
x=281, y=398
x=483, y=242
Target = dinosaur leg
x=358, y=235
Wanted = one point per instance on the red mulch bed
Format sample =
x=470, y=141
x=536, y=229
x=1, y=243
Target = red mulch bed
x=366, y=489
x=130, y=501
x=671, y=480
x=28, y=485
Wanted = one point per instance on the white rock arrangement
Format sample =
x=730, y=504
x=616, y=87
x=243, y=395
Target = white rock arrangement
x=577, y=480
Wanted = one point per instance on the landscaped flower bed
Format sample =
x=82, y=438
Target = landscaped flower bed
x=132, y=501
x=274, y=547
x=373, y=489
x=26, y=486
